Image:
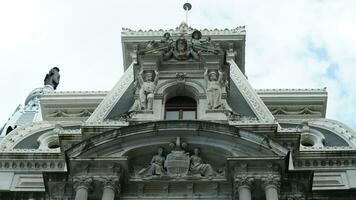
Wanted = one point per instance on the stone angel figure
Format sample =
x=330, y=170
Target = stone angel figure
x=213, y=89
x=148, y=83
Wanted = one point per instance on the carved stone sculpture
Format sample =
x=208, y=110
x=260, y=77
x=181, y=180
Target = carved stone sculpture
x=198, y=167
x=147, y=87
x=52, y=78
x=156, y=165
x=213, y=89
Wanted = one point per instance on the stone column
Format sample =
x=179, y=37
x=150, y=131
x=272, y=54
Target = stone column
x=243, y=187
x=110, y=186
x=270, y=184
x=81, y=186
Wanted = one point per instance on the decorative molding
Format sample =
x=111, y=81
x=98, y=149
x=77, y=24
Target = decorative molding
x=254, y=101
x=240, y=30
x=109, y=102
x=334, y=126
x=32, y=165
x=17, y=135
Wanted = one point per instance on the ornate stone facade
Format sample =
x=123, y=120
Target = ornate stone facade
x=182, y=123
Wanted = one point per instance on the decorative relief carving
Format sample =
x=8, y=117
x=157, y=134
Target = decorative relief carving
x=197, y=166
x=64, y=113
x=156, y=167
x=181, y=49
x=295, y=111
x=178, y=163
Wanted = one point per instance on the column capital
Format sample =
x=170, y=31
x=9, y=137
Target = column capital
x=109, y=181
x=82, y=182
x=243, y=180
x=271, y=180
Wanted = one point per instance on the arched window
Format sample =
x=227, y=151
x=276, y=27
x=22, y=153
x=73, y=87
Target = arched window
x=181, y=108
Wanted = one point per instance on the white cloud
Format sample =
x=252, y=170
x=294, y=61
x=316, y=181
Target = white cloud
x=83, y=38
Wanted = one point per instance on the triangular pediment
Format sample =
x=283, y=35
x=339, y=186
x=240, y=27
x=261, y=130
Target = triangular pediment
x=118, y=101
x=244, y=99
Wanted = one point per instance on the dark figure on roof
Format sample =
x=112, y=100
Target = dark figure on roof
x=52, y=78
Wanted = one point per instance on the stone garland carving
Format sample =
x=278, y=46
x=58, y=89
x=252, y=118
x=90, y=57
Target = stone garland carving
x=213, y=89
x=148, y=83
x=251, y=96
x=302, y=111
x=61, y=113
x=112, y=98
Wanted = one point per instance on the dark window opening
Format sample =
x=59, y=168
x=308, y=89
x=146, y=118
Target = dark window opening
x=181, y=108
x=8, y=130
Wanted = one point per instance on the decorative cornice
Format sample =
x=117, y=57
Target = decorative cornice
x=240, y=30
x=292, y=90
x=109, y=102
x=254, y=101
x=331, y=125
x=33, y=165
x=16, y=136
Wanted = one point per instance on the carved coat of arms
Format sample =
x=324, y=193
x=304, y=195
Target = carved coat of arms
x=177, y=163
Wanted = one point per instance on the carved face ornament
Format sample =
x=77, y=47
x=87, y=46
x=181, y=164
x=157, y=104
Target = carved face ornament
x=213, y=76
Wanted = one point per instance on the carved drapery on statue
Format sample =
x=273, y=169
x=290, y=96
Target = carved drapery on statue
x=147, y=83
x=214, y=89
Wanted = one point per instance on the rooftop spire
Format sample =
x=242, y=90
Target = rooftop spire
x=187, y=7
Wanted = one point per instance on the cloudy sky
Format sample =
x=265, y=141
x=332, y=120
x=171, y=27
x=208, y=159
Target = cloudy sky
x=290, y=44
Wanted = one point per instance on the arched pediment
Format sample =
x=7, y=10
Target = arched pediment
x=212, y=138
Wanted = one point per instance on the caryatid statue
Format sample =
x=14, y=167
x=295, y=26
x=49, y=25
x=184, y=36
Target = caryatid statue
x=148, y=85
x=52, y=78
x=213, y=88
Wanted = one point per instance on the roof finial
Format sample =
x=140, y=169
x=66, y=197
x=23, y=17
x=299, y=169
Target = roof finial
x=187, y=7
